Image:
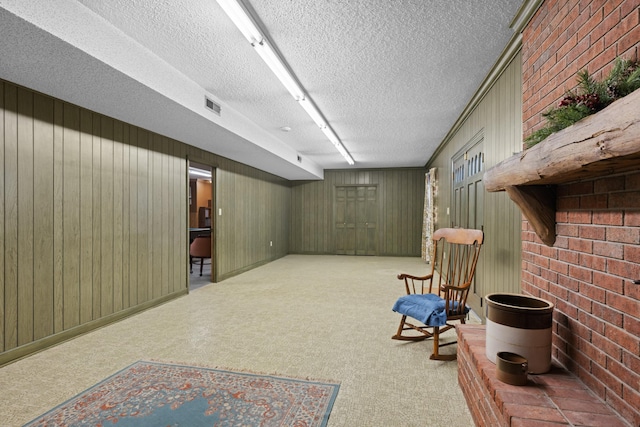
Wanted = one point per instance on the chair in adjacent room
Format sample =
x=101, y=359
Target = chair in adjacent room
x=439, y=298
x=200, y=248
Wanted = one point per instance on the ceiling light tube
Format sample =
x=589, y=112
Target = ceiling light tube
x=331, y=135
x=342, y=151
x=242, y=20
x=346, y=155
x=336, y=142
x=236, y=12
x=199, y=172
x=269, y=56
x=313, y=112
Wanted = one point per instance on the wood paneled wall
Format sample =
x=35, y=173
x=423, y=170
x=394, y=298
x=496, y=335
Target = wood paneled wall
x=400, y=195
x=94, y=219
x=254, y=226
x=499, y=117
x=87, y=227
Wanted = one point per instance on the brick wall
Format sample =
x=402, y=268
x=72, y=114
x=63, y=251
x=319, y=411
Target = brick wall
x=588, y=274
x=565, y=37
x=590, y=270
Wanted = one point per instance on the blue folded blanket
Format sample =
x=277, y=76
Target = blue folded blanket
x=427, y=308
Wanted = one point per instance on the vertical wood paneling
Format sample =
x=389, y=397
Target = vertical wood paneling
x=86, y=219
x=126, y=217
x=25, y=216
x=58, y=216
x=181, y=199
x=221, y=234
x=166, y=267
x=232, y=218
x=134, y=185
x=71, y=216
x=106, y=218
x=400, y=194
x=499, y=116
x=2, y=231
x=117, y=196
x=143, y=217
x=43, y=216
x=101, y=207
x=96, y=213
x=11, y=217
x=155, y=235
x=178, y=233
x=396, y=214
x=242, y=234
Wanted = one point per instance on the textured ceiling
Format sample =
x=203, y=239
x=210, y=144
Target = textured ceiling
x=391, y=77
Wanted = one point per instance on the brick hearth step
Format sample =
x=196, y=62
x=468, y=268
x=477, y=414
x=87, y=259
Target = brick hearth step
x=556, y=398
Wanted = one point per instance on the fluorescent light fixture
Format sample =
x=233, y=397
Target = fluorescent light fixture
x=313, y=112
x=249, y=29
x=269, y=56
x=331, y=135
x=199, y=172
x=336, y=142
x=242, y=20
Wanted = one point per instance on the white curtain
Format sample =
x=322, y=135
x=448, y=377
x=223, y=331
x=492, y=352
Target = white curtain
x=428, y=222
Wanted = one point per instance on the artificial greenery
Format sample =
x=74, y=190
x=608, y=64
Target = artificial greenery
x=590, y=96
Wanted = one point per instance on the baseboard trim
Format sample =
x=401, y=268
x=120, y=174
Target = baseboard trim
x=26, y=350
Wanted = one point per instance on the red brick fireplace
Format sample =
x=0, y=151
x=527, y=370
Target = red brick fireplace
x=589, y=275
x=589, y=272
x=589, y=264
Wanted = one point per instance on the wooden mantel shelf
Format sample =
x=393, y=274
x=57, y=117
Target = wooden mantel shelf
x=602, y=144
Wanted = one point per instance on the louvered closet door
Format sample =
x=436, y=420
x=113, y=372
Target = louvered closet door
x=345, y=220
x=356, y=217
x=366, y=224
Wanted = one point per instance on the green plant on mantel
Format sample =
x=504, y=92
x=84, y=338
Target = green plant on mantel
x=589, y=97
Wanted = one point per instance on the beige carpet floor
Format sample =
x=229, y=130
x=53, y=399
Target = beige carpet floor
x=319, y=317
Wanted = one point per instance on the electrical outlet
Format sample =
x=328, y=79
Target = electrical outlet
x=220, y=212
x=270, y=243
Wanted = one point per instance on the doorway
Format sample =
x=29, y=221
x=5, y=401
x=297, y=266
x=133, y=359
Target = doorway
x=356, y=219
x=201, y=238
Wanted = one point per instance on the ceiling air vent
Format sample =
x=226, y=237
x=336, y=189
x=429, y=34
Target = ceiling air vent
x=212, y=105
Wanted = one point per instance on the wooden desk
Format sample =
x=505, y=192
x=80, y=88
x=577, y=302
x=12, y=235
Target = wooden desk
x=194, y=232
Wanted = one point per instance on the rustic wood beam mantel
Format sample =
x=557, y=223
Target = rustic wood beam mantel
x=538, y=204
x=604, y=143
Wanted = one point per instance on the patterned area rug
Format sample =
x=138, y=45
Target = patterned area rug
x=161, y=394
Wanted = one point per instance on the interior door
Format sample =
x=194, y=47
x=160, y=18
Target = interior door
x=366, y=225
x=345, y=220
x=356, y=218
x=468, y=203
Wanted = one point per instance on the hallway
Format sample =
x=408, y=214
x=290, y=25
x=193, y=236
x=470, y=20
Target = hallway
x=319, y=317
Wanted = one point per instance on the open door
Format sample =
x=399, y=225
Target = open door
x=201, y=225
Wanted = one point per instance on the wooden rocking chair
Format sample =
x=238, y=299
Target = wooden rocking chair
x=440, y=297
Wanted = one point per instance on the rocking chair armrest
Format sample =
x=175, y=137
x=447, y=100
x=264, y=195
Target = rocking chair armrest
x=446, y=288
x=409, y=276
x=410, y=282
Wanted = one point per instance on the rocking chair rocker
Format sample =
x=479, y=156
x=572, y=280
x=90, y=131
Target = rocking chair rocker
x=440, y=297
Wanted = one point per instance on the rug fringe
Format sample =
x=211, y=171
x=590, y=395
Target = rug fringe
x=245, y=371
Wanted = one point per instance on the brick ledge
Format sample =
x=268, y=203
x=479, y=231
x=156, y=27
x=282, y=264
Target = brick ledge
x=556, y=398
